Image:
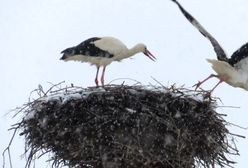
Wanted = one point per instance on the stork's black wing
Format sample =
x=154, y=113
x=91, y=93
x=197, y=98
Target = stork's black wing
x=238, y=55
x=87, y=48
x=221, y=55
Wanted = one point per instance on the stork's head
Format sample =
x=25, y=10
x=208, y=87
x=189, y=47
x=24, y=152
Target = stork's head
x=145, y=51
x=68, y=53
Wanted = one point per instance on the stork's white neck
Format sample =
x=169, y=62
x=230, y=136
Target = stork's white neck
x=136, y=49
x=130, y=52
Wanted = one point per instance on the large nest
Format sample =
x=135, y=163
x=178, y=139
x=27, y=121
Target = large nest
x=126, y=127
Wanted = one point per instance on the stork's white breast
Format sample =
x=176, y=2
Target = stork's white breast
x=99, y=61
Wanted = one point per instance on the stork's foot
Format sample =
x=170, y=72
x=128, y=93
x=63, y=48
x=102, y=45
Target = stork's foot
x=201, y=82
x=208, y=95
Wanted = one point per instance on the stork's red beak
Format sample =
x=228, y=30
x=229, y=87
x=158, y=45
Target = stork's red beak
x=150, y=55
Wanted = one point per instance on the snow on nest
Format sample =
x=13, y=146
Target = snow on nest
x=178, y=92
x=62, y=96
x=194, y=95
x=65, y=95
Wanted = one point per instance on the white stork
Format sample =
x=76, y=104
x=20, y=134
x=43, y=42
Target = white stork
x=101, y=51
x=233, y=70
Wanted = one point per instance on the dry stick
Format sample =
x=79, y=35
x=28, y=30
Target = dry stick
x=240, y=136
x=30, y=94
x=66, y=89
x=20, y=110
x=176, y=90
x=56, y=85
x=244, y=128
x=40, y=88
x=236, y=107
x=8, y=149
x=137, y=82
x=30, y=157
x=53, y=87
x=43, y=153
x=15, y=126
x=159, y=83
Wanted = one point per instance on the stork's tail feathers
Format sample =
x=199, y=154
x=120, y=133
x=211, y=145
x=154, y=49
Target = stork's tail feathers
x=222, y=68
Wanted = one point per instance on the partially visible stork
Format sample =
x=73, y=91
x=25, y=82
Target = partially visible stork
x=101, y=51
x=233, y=70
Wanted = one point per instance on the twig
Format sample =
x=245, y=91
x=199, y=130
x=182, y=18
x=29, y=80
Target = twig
x=137, y=82
x=8, y=149
x=21, y=109
x=159, y=83
x=244, y=128
x=236, y=107
x=237, y=135
x=53, y=86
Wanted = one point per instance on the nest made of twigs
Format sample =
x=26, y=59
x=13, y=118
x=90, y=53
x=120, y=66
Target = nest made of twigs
x=122, y=126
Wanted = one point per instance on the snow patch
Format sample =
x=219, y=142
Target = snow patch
x=178, y=114
x=168, y=140
x=30, y=115
x=66, y=96
x=131, y=110
x=43, y=122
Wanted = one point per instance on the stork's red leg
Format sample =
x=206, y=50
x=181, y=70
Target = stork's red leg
x=201, y=82
x=102, y=78
x=211, y=91
x=216, y=85
x=96, y=79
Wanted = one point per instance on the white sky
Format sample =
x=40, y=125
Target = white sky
x=33, y=33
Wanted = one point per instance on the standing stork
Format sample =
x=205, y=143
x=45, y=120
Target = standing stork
x=233, y=70
x=101, y=51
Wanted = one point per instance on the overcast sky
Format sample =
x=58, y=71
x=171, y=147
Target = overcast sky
x=33, y=33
